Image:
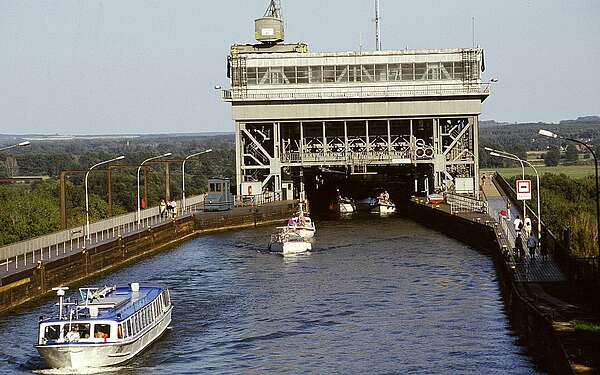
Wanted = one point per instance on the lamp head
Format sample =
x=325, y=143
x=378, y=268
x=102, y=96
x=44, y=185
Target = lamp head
x=25, y=143
x=120, y=157
x=495, y=154
x=488, y=149
x=207, y=151
x=547, y=133
x=168, y=154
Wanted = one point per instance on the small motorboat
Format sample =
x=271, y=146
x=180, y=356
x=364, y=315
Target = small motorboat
x=302, y=224
x=288, y=242
x=383, y=205
x=342, y=205
x=109, y=326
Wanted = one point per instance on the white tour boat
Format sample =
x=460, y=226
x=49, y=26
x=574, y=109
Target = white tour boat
x=108, y=327
x=288, y=242
x=302, y=224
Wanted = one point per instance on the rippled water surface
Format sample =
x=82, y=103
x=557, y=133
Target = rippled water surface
x=376, y=296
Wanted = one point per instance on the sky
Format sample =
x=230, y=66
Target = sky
x=143, y=66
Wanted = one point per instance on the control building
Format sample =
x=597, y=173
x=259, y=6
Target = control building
x=407, y=117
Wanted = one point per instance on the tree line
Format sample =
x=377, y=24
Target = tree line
x=32, y=210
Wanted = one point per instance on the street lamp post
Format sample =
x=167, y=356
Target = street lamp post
x=139, y=209
x=515, y=157
x=539, y=207
x=547, y=133
x=21, y=144
x=183, y=174
x=87, y=201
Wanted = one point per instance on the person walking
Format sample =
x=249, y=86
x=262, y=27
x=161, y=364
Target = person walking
x=162, y=208
x=174, y=208
x=169, y=209
x=518, y=224
x=520, y=251
x=527, y=226
x=483, y=179
x=532, y=243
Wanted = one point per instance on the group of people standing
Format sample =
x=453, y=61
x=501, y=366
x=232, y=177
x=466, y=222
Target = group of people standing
x=524, y=228
x=167, y=208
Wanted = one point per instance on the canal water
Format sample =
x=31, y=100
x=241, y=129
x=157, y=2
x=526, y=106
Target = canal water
x=376, y=296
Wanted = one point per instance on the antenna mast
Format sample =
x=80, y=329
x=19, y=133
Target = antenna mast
x=377, y=27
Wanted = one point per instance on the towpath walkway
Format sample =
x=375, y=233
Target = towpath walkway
x=527, y=268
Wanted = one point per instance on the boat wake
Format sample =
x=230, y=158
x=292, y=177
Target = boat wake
x=79, y=370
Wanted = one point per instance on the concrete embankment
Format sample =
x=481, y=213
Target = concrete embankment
x=96, y=261
x=540, y=337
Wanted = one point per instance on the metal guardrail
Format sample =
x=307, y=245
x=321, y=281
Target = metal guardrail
x=255, y=200
x=28, y=252
x=348, y=92
x=463, y=203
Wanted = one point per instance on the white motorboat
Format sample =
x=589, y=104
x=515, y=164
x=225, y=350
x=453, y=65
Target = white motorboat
x=343, y=205
x=108, y=327
x=302, y=224
x=288, y=242
x=383, y=207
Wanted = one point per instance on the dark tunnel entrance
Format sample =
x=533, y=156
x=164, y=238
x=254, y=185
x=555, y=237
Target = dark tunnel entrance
x=401, y=182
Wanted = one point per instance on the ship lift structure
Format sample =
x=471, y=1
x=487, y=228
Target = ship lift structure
x=393, y=113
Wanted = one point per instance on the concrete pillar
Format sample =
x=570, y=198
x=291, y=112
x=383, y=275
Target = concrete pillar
x=389, y=137
x=367, y=135
x=475, y=131
x=301, y=142
x=324, y=138
x=238, y=158
x=346, y=140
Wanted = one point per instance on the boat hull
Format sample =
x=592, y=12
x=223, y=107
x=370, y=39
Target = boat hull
x=102, y=355
x=346, y=208
x=290, y=248
x=383, y=209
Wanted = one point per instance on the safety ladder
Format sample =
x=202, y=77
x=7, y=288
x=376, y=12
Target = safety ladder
x=239, y=75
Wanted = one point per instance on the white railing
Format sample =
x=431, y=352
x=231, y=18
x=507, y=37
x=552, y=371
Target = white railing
x=26, y=253
x=342, y=156
x=348, y=92
x=462, y=203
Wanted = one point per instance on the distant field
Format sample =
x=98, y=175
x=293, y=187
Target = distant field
x=575, y=171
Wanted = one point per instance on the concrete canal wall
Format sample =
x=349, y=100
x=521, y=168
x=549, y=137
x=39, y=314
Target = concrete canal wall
x=98, y=260
x=536, y=330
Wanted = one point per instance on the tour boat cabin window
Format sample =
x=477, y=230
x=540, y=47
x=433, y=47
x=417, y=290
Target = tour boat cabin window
x=52, y=332
x=102, y=331
x=76, y=331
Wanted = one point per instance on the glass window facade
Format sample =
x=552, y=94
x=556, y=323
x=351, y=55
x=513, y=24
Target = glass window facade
x=331, y=74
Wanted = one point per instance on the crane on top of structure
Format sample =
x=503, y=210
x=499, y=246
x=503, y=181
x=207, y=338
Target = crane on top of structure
x=269, y=28
x=274, y=9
